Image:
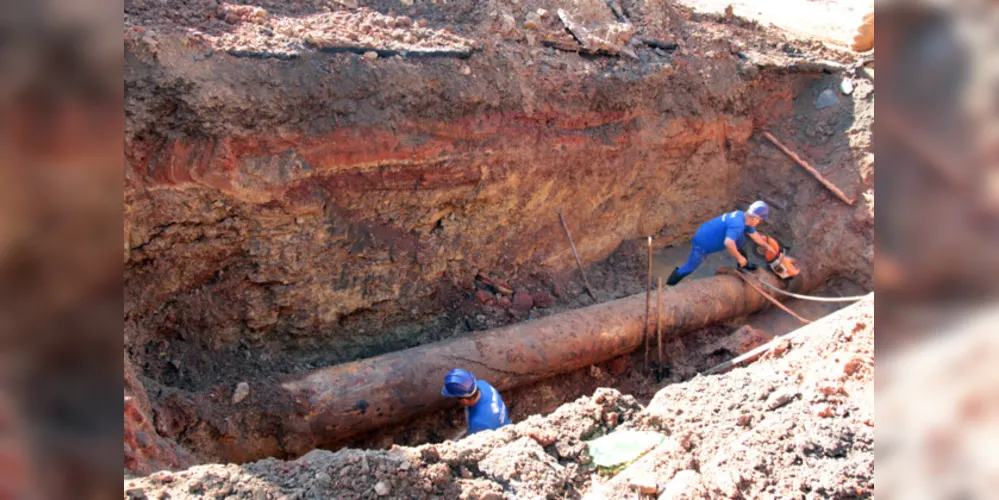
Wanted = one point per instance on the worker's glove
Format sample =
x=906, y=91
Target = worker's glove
x=749, y=266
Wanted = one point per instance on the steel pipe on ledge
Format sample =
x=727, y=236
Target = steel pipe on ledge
x=297, y=414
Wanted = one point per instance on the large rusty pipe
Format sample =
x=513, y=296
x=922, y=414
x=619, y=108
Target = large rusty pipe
x=298, y=414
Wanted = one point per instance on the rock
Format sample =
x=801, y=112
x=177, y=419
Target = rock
x=830, y=389
x=542, y=13
x=465, y=70
x=525, y=467
x=826, y=98
x=727, y=482
x=744, y=420
x=545, y=436
x=611, y=419
x=500, y=285
x=851, y=367
x=543, y=300
x=558, y=291
x=439, y=474
x=406, y=3
x=135, y=494
x=323, y=479
x=781, y=397
x=522, y=301
x=371, y=55
x=780, y=348
x=645, y=483
x=507, y=23
x=533, y=21
x=483, y=296
x=382, y=488
x=825, y=411
x=685, y=485
x=241, y=392
x=846, y=86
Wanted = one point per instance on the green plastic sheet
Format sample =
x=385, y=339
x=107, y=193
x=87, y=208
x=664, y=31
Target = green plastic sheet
x=622, y=447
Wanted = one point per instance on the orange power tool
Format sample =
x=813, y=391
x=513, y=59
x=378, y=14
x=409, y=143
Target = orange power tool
x=779, y=261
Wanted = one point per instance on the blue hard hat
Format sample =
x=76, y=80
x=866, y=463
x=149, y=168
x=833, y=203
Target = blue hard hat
x=458, y=383
x=760, y=209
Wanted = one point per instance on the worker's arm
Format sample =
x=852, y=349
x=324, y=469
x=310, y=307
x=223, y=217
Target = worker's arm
x=734, y=251
x=758, y=238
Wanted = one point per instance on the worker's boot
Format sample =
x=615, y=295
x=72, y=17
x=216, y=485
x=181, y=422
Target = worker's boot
x=675, y=277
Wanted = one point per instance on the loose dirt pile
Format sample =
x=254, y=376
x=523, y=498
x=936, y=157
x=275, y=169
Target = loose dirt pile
x=799, y=422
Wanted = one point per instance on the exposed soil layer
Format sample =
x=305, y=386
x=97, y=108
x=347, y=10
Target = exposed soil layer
x=309, y=183
x=797, y=423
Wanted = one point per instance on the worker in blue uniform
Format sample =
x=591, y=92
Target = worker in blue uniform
x=484, y=408
x=725, y=232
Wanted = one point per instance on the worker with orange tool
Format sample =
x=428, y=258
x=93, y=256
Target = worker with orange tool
x=484, y=408
x=725, y=232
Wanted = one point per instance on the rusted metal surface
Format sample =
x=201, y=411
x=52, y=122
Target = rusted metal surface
x=815, y=173
x=327, y=405
x=648, y=301
x=659, y=322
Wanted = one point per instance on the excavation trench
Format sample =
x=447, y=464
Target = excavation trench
x=323, y=229
x=292, y=416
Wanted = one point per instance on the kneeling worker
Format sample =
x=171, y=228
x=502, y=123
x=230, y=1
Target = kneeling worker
x=725, y=232
x=484, y=408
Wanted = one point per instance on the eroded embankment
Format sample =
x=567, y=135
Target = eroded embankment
x=286, y=214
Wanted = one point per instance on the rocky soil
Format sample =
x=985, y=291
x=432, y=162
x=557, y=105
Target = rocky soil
x=798, y=423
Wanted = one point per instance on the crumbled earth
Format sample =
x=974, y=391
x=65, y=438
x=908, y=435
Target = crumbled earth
x=798, y=423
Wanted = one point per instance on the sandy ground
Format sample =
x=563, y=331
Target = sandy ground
x=833, y=21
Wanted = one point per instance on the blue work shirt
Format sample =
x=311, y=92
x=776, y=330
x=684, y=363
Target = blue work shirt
x=711, y=235
x=489, y=412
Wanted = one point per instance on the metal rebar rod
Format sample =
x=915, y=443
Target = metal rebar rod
x=659, y=323
x=579, y=263
x=648, y=306
x=815, y=173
